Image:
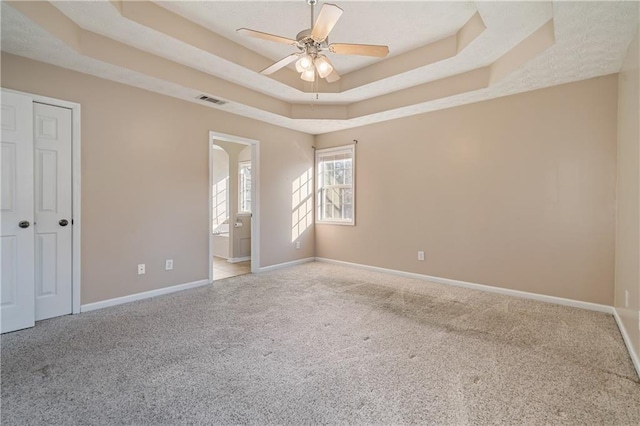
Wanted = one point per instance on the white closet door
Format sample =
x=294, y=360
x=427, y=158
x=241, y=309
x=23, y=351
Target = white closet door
x=52, y=140
x=17, y=240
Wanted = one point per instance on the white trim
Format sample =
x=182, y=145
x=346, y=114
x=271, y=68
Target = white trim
x=238, y=259
x=144, y=295
x=627, y=341
x=255, y=197
x=286, y=264
x=482, y=287
x=210, y=207
x=76, y=197
x=337, y=148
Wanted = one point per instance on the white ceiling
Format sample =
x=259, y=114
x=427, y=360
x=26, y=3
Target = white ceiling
x=591, y=39
x=390, y=23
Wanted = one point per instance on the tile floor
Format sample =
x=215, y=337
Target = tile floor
x=223, y=269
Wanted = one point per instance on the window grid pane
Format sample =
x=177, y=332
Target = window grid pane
x=244, y=195
x=334, y=194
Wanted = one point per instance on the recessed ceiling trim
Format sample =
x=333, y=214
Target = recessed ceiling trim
x=50, y=18
x=113, y=52
x=582, y=41
x=443, y=88
x=470, y=31
x=319, y=112
x=110, y=51
x=160, y=19
x=527, y=49
x=428, y=54
x=147, y=13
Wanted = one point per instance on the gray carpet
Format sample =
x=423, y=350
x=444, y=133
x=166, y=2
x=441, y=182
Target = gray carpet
x=321, y=343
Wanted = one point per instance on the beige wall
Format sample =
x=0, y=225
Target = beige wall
x=628, y=231
x=145, y=179
x=516, y=192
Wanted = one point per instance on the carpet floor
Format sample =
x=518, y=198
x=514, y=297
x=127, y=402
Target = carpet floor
x=321, y=343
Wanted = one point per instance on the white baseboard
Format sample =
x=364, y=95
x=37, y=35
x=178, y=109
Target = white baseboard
x=238, y=259
x=482, y=287
x=627, y=341
x=139, y=296
x=286, y=264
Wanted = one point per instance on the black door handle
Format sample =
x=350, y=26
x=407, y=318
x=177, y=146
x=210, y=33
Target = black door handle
x=24, y=224
x=64, y=222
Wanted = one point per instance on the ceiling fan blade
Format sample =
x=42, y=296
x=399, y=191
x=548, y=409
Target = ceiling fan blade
x=265, y=36
x=327, y=18
x=359, y=49
x=333, y=77
x=280, y=64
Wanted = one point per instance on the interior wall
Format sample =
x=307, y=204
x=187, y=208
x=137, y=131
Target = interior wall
x=145, y=180
x=627, y=270
x=516, y=192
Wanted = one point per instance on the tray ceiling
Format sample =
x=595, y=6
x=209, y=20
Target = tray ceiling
x=442, y=54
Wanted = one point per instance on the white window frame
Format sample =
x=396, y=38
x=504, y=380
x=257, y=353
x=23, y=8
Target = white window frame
x=320, y=153
x=242, y=164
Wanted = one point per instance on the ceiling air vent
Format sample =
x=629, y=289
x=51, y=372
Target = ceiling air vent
x=212, y=100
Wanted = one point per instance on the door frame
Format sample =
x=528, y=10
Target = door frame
x=76, y=192
x=255, y=197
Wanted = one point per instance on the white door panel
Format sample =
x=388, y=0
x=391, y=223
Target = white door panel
x=16, y=205
x=52, y=139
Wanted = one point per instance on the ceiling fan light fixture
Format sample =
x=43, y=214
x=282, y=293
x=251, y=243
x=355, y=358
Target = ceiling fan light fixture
x=309, y=75
x=323, y=66
x=305, y=63
x=312, y=42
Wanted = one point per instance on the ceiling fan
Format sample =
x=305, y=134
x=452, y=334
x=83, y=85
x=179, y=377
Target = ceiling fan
x=313, y=43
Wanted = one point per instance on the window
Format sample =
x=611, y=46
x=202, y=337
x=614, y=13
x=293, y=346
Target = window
x=244, y=187
x=220, y=202
x=335, y=191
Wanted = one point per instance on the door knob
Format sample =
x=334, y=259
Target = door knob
x=24, y=224
x=64, y=222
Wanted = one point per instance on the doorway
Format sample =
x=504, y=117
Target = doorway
x=40, y=160
x=233, y=206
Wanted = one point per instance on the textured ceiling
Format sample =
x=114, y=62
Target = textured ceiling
x=590, y=40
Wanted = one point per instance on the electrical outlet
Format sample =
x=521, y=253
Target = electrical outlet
x=168, y=264
x=141, y=270
x=626, y=298
x=420, y=255
x=297, y=245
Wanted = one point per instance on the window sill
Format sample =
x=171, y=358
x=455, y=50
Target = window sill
x=328, y=222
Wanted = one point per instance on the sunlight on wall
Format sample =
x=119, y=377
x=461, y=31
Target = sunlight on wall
x=301, y=204
x=220, y=204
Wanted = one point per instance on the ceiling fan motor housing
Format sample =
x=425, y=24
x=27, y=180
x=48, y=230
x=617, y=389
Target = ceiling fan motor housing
x=306, y=42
